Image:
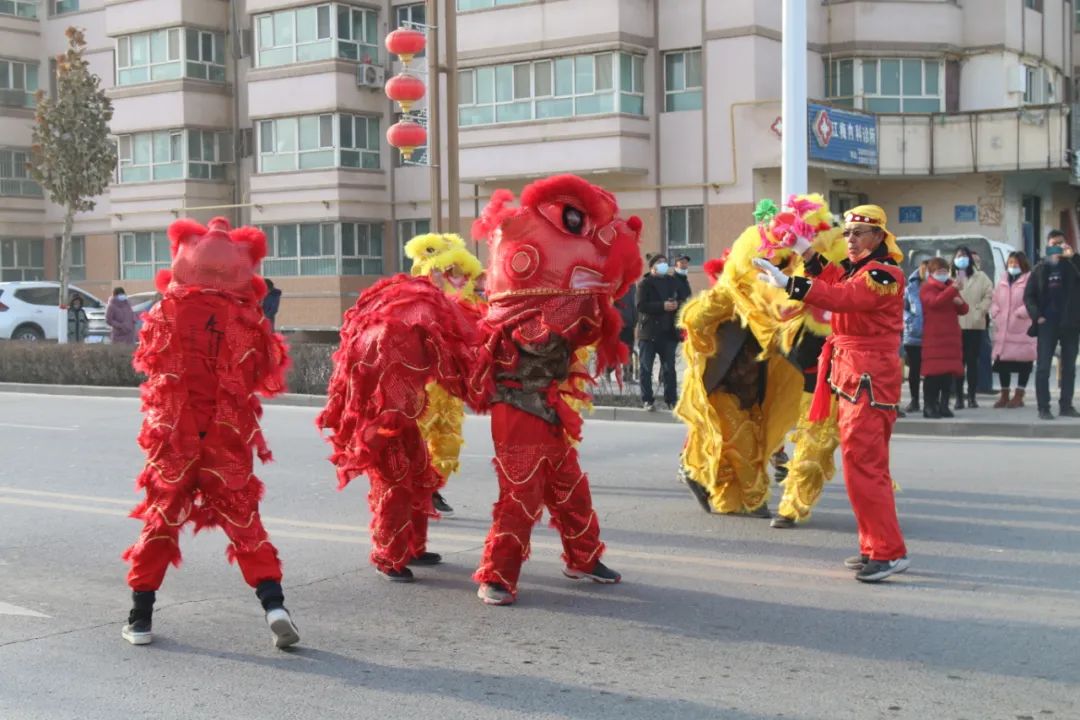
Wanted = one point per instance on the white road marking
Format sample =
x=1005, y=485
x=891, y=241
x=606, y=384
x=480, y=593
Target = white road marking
x=9, y=609
x=21, y=426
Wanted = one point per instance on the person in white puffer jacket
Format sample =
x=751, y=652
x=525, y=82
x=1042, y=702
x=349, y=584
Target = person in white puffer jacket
x=977, y=290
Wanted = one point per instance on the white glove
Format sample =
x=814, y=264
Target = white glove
x=801, y=246
x=771, y=274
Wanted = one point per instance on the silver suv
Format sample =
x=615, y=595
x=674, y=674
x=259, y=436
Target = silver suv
x=30, y=311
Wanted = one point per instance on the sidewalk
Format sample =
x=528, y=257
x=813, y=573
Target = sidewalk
x=983, y=422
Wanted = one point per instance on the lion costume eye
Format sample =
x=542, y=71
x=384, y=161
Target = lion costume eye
x=566, y=217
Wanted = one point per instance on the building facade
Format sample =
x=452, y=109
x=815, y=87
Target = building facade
x=953, y=116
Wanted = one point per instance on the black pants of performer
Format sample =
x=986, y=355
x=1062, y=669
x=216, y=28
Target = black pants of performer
x=1049, y=338
x=1005, y=370
x=649, y=350
x=913, y=355
x=937, y=389
x=972, y=345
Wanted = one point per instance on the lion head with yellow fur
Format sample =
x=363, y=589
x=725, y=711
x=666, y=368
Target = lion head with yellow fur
x=446, y=260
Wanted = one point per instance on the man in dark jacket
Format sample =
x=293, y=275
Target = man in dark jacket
x=271, y=303
x=659, y=298
x=1052, y=298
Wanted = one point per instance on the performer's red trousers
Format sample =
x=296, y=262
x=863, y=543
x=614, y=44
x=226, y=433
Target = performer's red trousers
x=865, y=432
x=215, y=488
x=400, y=501
x=536, y=466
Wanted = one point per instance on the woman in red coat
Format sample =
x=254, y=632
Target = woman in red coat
x=943, y=353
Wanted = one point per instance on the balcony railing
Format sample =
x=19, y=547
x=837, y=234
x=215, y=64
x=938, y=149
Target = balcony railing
x=1027, y=138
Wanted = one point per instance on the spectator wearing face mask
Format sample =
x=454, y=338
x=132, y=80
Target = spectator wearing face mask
x=942, y=349
x=121, y=318
x=913, y=333
x=1014, y=349
x=660, y=296
x=682, y=273
x=1052, y=297
x=977, y=290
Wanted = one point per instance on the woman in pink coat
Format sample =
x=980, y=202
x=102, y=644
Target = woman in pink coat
x=1014, y=350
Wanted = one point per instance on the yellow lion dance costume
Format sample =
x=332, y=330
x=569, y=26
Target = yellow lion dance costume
x=742, y=390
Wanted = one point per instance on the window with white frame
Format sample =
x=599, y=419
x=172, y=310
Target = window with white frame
x=168, y=54
x=208, y=153
x=886, y=85
x=682, y=80
x=142, y=254
x=484, y=4
x=1037, y=85
x=1036, y=5
x=19, y=8
x=300, y=249
x=14, y=177
x=406, y=231
x=22, y=259
x=18, y=83
x=204, y=55
x=150, y=156
x=317, y=32
x=410, y=16
x=362, y=248
x=63, y=7
x=77, y=269
x=319, y=141
x=684, y=233
x=559, y=87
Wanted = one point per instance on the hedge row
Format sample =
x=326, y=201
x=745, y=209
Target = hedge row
x=110, y=366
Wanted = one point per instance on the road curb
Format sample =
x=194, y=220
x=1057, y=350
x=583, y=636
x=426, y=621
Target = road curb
x=905, y=426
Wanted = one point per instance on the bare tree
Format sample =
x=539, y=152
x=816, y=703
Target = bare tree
x=72, y=156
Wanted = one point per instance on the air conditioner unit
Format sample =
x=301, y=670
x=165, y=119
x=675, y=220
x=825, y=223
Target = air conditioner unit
x=370, y=76
x=13, y=98
x=1016, y=81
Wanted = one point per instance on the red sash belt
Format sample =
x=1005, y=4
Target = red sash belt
x=822, y=405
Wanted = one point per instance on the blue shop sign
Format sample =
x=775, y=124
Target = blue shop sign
x=842, y=136
x=911, y=213
x=965, y=213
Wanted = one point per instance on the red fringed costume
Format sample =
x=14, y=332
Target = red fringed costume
x=557, y=262
x=207, y=352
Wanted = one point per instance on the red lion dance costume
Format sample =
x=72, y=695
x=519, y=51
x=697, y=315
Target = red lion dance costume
x=557, y=263
x=206, y=350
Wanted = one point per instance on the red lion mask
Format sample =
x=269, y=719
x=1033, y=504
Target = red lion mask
x=217, y=257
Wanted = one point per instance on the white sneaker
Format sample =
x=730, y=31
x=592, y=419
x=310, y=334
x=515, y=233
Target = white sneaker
x=285, y=632
x=648, y=407
x=137, y=635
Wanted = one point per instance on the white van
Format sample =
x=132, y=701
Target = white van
x=917, y=248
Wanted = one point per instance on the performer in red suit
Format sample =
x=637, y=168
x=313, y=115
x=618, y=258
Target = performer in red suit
x=861, y=360
x=207, y=351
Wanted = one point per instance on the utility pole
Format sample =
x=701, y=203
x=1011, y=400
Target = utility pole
x=434, y=113
x=793, y=171
x=453, y=181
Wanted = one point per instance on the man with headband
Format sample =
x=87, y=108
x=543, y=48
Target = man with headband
x=861, y=361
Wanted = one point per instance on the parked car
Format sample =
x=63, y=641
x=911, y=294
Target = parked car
x=30, y=311
x=919, y=248
x=141, y=303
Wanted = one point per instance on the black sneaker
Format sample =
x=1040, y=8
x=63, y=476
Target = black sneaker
x=426, y=559
x=913, y=407
x=696, y=489
x=600, y=573
x=877, y=570
x=495, y=594
x=138, y=628
x=960, y=403
x=931, y=413
x=1069, y=412
x=973, y=403
x=761, y=511
x=946, y=412
x=856, y=562
x=782, y=522
x=441, y=505
x=404, y=575
x=1046, y=415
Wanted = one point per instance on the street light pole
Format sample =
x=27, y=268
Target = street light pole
x=793, y=171
x=434, y=113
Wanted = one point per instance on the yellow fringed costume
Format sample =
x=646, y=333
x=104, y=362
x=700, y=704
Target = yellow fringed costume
x=742, y=393
x=446, y=260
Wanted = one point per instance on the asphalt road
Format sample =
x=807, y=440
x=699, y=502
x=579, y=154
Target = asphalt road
x=716, y=617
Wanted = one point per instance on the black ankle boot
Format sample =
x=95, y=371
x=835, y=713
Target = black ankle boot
x=270, y=595
x=971, y=401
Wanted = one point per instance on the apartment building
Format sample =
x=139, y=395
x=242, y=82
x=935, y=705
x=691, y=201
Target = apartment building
x=952, y=115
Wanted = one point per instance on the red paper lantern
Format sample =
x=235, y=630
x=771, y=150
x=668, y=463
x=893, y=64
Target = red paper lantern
x=406, y=43
x=406, y=136
x=405, y=89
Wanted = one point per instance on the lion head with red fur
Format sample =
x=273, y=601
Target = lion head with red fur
x=217, y=257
